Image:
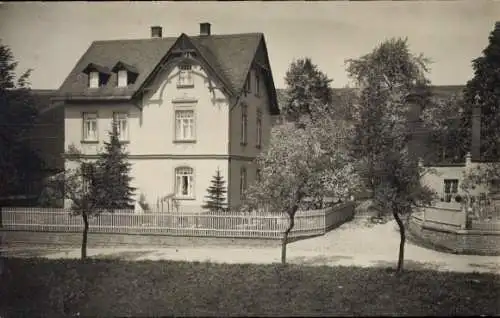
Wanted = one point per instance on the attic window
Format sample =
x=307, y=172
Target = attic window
x=97, y=75
x=126, y=74
x=248, y=84
x=94, y=80
x=185, y=76
x=122, y=78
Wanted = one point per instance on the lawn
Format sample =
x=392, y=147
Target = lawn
x=35, y=287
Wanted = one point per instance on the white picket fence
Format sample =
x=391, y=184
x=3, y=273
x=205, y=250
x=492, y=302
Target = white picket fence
x=224, y=224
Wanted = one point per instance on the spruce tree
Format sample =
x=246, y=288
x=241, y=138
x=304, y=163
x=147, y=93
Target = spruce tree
x=114, y=174
x=215, y=200
x=484, y=89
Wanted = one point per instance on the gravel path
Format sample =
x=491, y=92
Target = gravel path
x=351, y=244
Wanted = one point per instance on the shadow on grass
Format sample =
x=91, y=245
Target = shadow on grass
x=491, y=266
x=318, y=260
x=124, y=255
x=410, y=265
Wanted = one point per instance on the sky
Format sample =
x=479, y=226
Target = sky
x=51, y=37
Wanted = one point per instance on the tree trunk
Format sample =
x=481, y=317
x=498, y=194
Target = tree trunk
x=85, y=234
x=402, y=235
x=291, y=216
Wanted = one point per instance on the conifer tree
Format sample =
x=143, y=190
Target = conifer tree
x=483, y=90
x=307, y=90
x=114, y=169
x=215, y=200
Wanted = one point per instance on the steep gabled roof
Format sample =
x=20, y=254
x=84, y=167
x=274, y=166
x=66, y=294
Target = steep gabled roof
x=230, y=56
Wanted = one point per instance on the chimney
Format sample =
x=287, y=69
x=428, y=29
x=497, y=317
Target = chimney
x=156, y=32
x=476, y=133
x=205, y=28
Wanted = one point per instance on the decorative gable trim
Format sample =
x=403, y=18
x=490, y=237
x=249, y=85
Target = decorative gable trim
x=182, y=51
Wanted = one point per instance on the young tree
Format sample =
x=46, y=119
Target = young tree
x=19, y=163
x=115, y=173
x=305, y=161
x=483, y=89
x=216, y=200
x=81, y=185
x=387, y=78
x=308, y=90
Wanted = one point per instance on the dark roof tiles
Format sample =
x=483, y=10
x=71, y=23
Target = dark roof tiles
x=231, y=55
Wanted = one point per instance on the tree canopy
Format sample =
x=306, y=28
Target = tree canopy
x=484, y=90
x=307, y=90
x=19, y=163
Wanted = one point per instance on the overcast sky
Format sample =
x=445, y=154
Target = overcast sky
x=51, y=37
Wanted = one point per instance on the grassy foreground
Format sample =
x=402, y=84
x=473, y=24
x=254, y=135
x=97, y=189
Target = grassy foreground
x=36, y=287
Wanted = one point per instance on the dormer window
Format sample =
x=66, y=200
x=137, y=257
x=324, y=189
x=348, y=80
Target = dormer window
x=97, y=75
x=122, y=78
x=94, y=79
x=126, y=74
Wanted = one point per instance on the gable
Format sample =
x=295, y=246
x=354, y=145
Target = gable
x=184, y=50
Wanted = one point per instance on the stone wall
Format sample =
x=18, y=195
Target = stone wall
x=451, y=238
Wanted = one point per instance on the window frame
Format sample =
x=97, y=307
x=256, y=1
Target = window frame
x=244, y=125
x=87, y=117
x=118, y=121
x=257, y=84
x=450, y=189
x=124, y=76
x=187, y=71
x=258, y=124
x=243, y=182
x=177, y=111
x=93, y=76
x=248, y=83
x=191, y=182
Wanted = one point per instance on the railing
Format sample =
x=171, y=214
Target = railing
x=223, y=224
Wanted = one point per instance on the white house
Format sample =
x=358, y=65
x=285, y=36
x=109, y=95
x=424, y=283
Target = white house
x=185, y=106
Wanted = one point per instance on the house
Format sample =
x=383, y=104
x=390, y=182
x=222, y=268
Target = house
x=185, y=106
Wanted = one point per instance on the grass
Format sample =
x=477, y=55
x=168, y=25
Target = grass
x=35, y=287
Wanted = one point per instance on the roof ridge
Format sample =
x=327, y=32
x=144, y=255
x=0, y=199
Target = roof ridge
x=213, y=36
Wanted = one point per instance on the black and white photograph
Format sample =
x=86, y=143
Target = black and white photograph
x=250, y=158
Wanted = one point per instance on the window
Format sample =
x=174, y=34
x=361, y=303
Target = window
x=122, y=78
x=184, y=125
x=243, y=182
x=244, y=124
x=450, y=189
x=87, y=172
x=259, y=129
x=248, y=84
x=257, y=84
x=121, y=120
x=90, y=127
x=94, y=81
x=185, y=76
x=184, y=182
